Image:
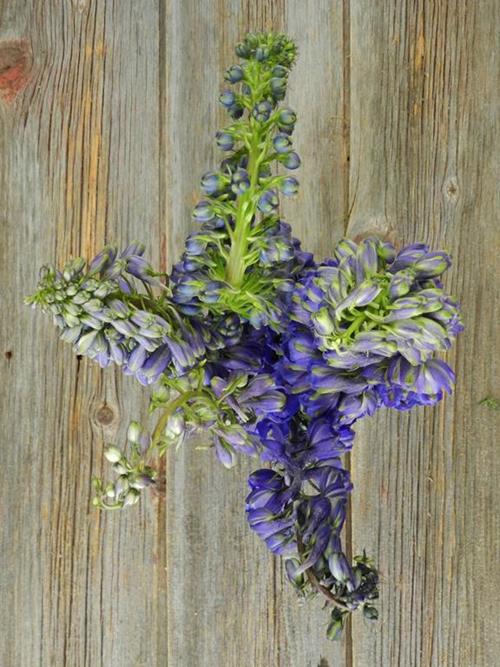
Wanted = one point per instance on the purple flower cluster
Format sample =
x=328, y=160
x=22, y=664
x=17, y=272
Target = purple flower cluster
x=365, y=328
x=251, y=340
x=107, y=311
x=363, y=333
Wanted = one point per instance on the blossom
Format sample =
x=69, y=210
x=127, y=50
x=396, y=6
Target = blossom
x=103, y=314
x=250, y=340
x=367, y=327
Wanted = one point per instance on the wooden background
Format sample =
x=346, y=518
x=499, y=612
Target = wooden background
x=108, y=110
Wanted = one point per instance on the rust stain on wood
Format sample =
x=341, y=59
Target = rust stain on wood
x=16, y=62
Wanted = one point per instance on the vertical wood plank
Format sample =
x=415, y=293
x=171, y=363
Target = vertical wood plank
x=220, y=584
x=424, y=136
x=229, y=602
x=80, y=154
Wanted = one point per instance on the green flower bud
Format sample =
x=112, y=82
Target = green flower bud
x=120, y=468
x=175, y=427
x=323, y=323
x=110, y=490
x=334, y=630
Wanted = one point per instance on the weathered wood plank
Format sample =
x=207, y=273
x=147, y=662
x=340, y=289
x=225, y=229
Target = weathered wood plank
x=229, y=603
x=80, y=164
x=424, y=158
x=107, y=111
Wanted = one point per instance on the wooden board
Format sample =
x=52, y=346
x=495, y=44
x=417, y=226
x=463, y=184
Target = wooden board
x=107, y=116
x=425, y=165
x=80, y=156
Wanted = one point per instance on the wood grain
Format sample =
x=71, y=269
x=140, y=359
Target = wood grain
x=424, y=165
x=107, y=116
x=80, y=166
x=229, y=603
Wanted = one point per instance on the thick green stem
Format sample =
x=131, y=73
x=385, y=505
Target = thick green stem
x=245, y=213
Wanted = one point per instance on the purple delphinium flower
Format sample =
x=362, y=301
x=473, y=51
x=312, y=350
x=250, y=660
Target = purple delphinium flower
x=101, y=313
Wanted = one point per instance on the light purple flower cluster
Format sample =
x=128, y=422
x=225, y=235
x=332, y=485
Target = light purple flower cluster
x=107, y=312
x=249, y=339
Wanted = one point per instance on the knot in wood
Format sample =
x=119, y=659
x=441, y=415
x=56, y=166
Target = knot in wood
x=105, y=415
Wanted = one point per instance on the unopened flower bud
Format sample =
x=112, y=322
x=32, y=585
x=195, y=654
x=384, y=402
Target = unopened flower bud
x=227, y=98
x=278, y=88
x=141, y=481
x=224, y=141
x=323, y=323
x=122, y=485
x=280, y=71
x=369, y=612
x=110, y=490
x=261, y=53
x=203, y=211
x=234, y=74
x=120, y=468
x=289, y=186
x=340, y=568
x=134, y=432
x=132, y=497
x=287, y=118
x=241, y=181
x=112, y=454
x=291, y=160
x=262, y=111
x=282, y=143
x=334, y=630
x=242, y=50
x=268, y=202
x=433, y=264
x=175, y=426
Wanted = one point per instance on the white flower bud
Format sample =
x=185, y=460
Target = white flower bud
x=134, y=433
x=112, y=454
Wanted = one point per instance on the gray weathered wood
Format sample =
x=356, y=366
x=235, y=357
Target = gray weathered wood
x=424, y=165
x=229, y=602
x=107, y=115
x=80, y=164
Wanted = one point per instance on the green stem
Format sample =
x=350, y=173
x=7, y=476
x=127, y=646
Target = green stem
x=246, y=209
x=168, y=412
x=245, y=212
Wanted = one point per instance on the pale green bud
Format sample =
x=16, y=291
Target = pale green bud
x=112, y=454
x=110, y=490
x=122, y=485
x=134, y=432
x=120, y=468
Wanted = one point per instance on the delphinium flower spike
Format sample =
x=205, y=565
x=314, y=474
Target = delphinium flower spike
x=244, y=258
x=251, y=341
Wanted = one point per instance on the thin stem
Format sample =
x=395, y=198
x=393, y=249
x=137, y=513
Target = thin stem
x=168, y=412
x=313, y=580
